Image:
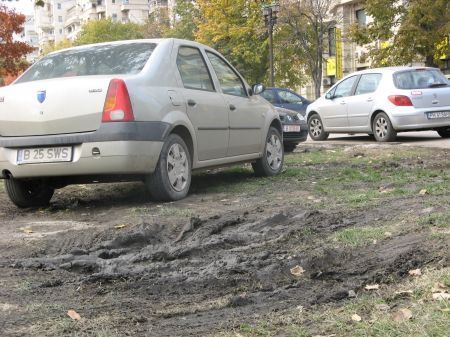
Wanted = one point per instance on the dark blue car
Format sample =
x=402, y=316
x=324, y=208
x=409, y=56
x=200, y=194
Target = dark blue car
x=285, y=98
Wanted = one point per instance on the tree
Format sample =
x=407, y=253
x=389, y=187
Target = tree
x=108, y=30
x=157, y=25
x=236, y=29
x=52, y=46
x=12, y=52
x=408, y=31
x=186, y=17
x=305, y=25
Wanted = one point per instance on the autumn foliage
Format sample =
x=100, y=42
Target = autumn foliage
x=12, y=52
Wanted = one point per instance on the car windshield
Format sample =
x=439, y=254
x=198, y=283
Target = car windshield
x=420, y=79
x=108, y=59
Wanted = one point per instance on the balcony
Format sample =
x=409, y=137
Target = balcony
x=101, y=9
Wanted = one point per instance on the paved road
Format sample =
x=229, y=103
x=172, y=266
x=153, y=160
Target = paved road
x=422, y=138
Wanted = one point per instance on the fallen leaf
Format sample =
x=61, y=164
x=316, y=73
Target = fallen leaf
x=388, y=234
x=26, y=230
x=404, y=292
x=402, y=315
x=74, y=315
x=382, y=307
x=123, y=225
x=439, y=288
x=423, y=192
x=297, y=271
x=372, y=287
x=356, y=318
x=415, y=272
x=441, y=296
x=445, y=310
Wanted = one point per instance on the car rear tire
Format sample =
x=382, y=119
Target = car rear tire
x=172, y=177
x=315, y=128
x=271, y=162
x=382, y=128
x=29, y=193
x=444, y=132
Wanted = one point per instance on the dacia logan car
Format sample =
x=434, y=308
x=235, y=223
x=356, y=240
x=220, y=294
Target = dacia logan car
x=150, y=110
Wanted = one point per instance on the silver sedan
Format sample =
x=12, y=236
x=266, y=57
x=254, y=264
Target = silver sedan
x=150, y=110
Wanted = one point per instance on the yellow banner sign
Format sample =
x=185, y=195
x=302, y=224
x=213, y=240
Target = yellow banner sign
x=339, y=73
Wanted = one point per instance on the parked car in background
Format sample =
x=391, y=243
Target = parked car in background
x=382, y=102
x=295, y=129
x=150, y=110
x=285, y=98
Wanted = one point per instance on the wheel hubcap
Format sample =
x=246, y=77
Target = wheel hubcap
x=315, y=127
x=177, y=167
x=381, y=127
x=274, y=152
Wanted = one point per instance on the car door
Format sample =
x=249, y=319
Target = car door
x=334, y=109
x=292, y=101
x=246, y=113
x=206, y=107
x=360, y=104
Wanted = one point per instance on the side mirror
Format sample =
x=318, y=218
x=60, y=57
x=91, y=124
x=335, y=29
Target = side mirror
x=258, y=88
x=329, y=96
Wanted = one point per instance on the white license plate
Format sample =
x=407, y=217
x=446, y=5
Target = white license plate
x=291, y=128
x=44, y=155
x=438, y=114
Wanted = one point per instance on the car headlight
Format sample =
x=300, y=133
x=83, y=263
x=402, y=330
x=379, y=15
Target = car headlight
x=301, y=118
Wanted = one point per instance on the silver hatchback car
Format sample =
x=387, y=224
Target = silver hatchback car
x=150, y=110
x=383, y=102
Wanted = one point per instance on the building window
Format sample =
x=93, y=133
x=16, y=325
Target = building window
x=114, y=17
x=113, y=1
x=99, y=2
x=361, y=17
x=60, y=31
x=59, y=18
x=332, y=41
x=59, y=6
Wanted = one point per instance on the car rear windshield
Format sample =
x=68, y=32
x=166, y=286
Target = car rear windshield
x=420, y=79
x=108, y=59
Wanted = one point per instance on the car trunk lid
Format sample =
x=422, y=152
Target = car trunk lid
x=431, y=97
x=56, y=106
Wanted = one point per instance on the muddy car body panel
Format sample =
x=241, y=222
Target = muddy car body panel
x=110, y=108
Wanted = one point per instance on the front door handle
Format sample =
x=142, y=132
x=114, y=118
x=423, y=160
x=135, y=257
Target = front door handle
x=191, y=102
x=370, y=99
x=342, y=102
x=232, y=107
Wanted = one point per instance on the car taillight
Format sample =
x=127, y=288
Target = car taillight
x=400, y=100
x=117, y=106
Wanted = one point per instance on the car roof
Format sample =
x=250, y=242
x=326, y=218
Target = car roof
x=388, y=69
x=157, y=41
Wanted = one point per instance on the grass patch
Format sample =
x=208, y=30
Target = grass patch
x=440, y=220
x=357, y=236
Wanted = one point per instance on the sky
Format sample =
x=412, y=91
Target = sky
x=21, y=6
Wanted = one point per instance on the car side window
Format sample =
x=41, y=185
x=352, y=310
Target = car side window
x=269, y=95
x=344, y=88
x=287, y=97
x=193, y=70
x=229, y=81
x=368, y=83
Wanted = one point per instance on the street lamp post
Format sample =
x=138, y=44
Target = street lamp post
x=270, y=17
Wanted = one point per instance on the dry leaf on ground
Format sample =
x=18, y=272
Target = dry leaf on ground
x=372, y=287
x=356, y=318
x=439, y=288
x=26, y=230
x=297, y=271
x=402, y=315
x=415, y=272
x=423, y=192
x=121, y=226
x=441, y=296
x=74, y=315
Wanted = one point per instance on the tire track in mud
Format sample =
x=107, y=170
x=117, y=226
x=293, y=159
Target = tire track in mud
x=219, y=270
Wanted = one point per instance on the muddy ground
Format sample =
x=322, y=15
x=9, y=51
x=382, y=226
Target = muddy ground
x=217, y=259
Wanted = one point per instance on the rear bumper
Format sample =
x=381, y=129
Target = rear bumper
x=116, y=157
x=407, y=118
x=120, y=148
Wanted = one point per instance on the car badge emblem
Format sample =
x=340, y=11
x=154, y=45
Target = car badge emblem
x=41, y=96
x=2, y=99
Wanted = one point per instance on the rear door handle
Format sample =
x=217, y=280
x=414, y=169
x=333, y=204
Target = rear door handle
x=191, y=102
x=232, y=107
x=342, y=102
x=370, y=99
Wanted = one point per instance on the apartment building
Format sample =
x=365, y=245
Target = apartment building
x=62, y=19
